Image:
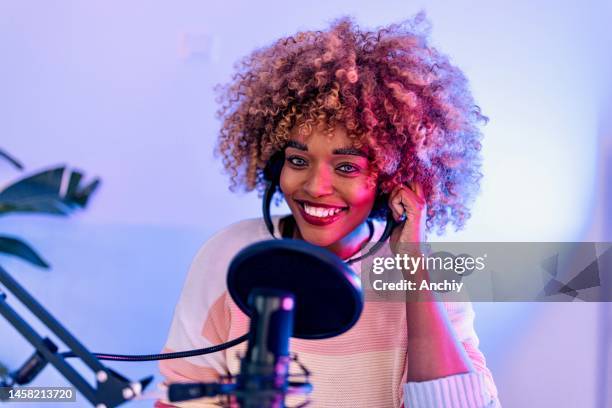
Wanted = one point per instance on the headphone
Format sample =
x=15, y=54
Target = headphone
x=271, y=175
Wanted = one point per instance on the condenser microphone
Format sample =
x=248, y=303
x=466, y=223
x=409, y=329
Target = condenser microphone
x=288, y=288
x=263, y=381
x=264, y=370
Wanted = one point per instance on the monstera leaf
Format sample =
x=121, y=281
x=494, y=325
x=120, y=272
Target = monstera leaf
x=18, y=248
x=57, y=191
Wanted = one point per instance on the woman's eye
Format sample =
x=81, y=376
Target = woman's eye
x=296, y=161
x=347, y=168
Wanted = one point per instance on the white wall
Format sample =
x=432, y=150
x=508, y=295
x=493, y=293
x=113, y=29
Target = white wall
x=111, y=87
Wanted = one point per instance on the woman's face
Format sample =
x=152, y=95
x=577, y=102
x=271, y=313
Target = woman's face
x=328, y=186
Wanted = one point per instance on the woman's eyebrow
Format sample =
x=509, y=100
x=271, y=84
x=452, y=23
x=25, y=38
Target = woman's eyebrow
x=350, y=151
x=297, y=145
x=342, y=150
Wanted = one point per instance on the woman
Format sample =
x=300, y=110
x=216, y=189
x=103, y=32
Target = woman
x=362, y=123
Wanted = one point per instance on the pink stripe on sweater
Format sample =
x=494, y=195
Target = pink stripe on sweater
x=216, y=326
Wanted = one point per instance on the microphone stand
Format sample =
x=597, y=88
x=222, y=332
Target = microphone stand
x=112, y=388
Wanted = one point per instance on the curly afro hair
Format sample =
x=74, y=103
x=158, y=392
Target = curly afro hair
x=397, y=96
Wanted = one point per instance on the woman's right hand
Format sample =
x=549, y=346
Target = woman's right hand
x=408, y=204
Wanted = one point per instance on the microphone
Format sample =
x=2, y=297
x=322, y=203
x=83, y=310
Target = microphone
x=288, y=288
x=264, y=370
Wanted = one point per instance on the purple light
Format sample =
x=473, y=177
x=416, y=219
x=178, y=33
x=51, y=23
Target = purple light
x=287, y=303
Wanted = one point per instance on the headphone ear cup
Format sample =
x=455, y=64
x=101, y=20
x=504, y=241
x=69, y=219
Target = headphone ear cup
x=271, y=174
x=272, y=171
x=380, y=209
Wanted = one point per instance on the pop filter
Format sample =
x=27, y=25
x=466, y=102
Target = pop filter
x=328, y=295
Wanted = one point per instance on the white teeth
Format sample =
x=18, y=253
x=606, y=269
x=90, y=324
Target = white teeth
x=320, y=211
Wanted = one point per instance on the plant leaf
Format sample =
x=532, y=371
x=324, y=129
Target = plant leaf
x=80, y=195
x=20, y=249
x=11, y=159
x=43, y=192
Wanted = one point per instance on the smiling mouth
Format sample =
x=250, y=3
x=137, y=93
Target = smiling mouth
x=319, y=214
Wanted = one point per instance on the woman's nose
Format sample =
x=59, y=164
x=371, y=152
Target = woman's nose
x=319, y=183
